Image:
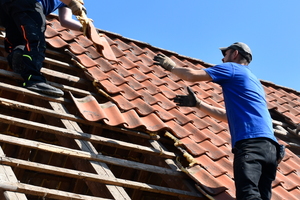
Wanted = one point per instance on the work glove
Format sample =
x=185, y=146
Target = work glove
x=187, y=100
x=164, y=61
x=76, y=7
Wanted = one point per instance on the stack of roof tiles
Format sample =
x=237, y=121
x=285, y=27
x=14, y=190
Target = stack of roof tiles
x=139, y=96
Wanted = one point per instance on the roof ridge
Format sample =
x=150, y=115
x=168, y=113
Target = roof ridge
x=158, y=48
x=280, y=86
x=205, y=64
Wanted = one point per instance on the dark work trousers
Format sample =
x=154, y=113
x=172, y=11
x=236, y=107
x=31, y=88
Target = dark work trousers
x=255, y=165
x=25, y=24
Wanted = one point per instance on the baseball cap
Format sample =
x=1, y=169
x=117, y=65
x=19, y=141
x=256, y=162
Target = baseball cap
x=242, y=48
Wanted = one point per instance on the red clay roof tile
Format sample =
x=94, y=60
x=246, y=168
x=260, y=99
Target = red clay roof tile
x=86, y=61
x=96, y=72
x=116, y=79
x=211, y=166
x=92, y=52
x=193, y=147
x=127, y=63
x=133, y=57
x=123, y=103
x=211, y=184
x=118, y=53
x=213, y=151
x=83, y=41
x=66, y=35
x=162, y=113
x=110, y=87
x=177, y=130
x=122, y=45
x=104, y=65
x=51, y=32
x=57, y=42
x=279, y=193
x=77, y=49
x=136, y=49
x=200, y=136
x=142, y=107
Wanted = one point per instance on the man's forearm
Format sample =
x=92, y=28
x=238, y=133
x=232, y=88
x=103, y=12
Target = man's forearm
x=191, y=74
x=66, y=20
x=215, y=112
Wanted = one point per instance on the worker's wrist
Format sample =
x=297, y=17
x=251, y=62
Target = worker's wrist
x=171, y=68
x=198, y=104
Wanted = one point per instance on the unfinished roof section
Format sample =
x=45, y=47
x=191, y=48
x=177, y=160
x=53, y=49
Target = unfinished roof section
x=113, y=133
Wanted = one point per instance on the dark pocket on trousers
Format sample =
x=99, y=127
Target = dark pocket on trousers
x=280, y=152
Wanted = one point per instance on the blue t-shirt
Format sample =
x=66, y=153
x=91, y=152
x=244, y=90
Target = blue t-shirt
x=245, y=103
x=50, y=6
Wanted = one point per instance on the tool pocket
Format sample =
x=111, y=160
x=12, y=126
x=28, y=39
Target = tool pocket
x=280, y=152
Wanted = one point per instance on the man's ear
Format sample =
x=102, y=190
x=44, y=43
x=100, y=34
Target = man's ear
x=235, y=54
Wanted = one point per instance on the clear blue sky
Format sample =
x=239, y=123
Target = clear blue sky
x=197, y=28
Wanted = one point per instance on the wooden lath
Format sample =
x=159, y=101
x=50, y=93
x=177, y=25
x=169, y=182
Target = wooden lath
x=88, y=155
x=91, y=177
x=7, y=175
x=43, y=192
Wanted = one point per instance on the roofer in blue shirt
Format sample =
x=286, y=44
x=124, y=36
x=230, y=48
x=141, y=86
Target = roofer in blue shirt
x=256, y=150
x=25, y=24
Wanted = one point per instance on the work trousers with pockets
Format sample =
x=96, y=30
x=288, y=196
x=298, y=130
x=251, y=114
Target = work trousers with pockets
x=25, y=25
x=255, y=165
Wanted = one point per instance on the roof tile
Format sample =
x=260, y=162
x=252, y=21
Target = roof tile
x=193, y=147
x=133, y=57
x=136, y=49
x=279, y=193
x=95, y=72
x=164, y=102
x=128, y=92
x=127, y=63
x=119, y=53
x=151, y=88
x=177, y=130
x=86, y=61
x=213, y=151
x=76, y=48
x=200, y=136
x=143, y=68
x=83, y=41
x=116, y=78
x=57, y=42
x=51, y=32
x=211, y=166
x=138, y=75
x=104, y=65
x=163, y=114
x=110, y=87
x=122, y=45
x=289, y=182
x=92, y=52
x=211, y=184
x=142, y=107
x=123, y=103
x=66, y=35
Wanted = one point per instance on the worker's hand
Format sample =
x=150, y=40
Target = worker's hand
x=76, y=7
x=187, y=100
x=164, y=61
